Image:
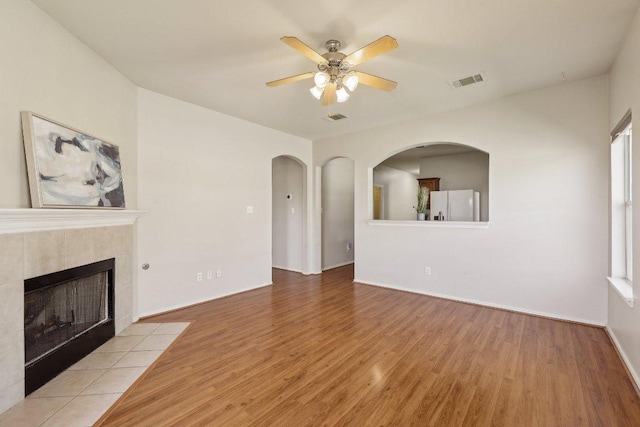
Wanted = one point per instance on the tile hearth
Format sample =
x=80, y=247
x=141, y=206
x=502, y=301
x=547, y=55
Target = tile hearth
x=79, y=396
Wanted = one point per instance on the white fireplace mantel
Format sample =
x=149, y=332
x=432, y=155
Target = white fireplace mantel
x=29, y=220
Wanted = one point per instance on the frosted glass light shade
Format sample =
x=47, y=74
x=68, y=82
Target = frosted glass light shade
x=321, y=79
x=316, y=92
x=342, y=95
x=350, y=81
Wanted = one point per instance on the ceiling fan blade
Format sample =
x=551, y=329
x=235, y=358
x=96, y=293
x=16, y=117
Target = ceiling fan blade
x=304, y=49
x=329, y=94
x=375, y=81
x=382, y=45
x=290, y=79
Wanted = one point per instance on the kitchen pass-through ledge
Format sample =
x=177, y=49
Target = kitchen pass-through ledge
x=428, y=224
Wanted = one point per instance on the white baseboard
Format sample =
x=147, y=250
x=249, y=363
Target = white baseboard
x=623, y=355
x=337, y=265
x=286, y=269
x=311, y=273
x=191, y=303
x=484, y=303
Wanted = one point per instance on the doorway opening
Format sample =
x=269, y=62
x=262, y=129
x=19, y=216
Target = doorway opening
x=378, y=202
x=288, y=214
x=338, y=246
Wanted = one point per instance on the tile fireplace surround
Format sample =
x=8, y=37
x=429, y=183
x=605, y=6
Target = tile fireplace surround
x=34, y=242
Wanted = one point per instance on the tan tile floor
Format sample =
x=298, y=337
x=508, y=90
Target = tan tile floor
x=80, y=395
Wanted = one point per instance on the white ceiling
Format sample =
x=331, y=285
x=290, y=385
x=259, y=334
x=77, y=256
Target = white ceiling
x=409, y=160
x=219, y=54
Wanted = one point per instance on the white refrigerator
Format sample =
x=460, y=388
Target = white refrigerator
x=454, y=205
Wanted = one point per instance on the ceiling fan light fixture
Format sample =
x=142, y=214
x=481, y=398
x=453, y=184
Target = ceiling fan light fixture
x=350, y=81
x=335, y=80
x=316, y=92
x=342, y=95
x=321, y=79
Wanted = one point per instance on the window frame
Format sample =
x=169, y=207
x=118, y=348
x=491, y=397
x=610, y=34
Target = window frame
x=621, y=210
x=628, y=204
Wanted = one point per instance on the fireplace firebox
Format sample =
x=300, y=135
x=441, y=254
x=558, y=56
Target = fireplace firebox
x=67, y=315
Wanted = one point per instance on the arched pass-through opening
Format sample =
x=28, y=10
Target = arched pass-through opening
x=288, y=205
x=337, y=198
x=456, y=175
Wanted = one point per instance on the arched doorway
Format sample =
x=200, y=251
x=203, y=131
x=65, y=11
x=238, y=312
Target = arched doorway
x=288, y=213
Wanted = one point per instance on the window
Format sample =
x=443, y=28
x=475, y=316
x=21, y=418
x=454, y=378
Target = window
x=621, y=233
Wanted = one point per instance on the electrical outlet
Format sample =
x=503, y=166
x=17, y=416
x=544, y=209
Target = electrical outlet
x=250, y=209
x=199, y=277
x=209, y=275
x=427, y=271
x=219, y=274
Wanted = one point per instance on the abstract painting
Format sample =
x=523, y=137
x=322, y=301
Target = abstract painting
x=68, y=168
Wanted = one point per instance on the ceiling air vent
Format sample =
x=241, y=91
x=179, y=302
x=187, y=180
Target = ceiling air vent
x=477, y=78
x=334, y=117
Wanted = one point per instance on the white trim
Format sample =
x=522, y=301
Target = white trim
x=623, y=287
x=483, y=303
x=428, y=224
x=29, y=220
x=311, y=273
x=287, y=269
x=337, y=265
x=623, y=355
x=192, y=303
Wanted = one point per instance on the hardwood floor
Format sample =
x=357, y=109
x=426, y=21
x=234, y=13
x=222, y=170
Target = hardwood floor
x=320, y=350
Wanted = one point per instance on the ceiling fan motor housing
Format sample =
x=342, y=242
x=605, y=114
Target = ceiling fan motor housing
x=335, y=66
x=332, y=45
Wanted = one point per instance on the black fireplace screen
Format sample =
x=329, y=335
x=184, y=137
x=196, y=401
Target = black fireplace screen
x=67, y=315
x=56, y=314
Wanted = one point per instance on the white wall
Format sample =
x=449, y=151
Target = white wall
x=545, y=250
x=461, y=172
x=623, y=321
x=337, y=213
x=287, y=212
x=44, y=69
x=399, y=192
x=198, y=172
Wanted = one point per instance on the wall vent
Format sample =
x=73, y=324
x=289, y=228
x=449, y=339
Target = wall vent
x=477, y=78
x=334, y=117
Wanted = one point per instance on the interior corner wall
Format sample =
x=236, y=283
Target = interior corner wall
x=199, y=170
x=46, y=70
x=399, y=193
x=462, y=171
x=287, y=203
x=545, y=248
x=622, y=320
x=337, y=213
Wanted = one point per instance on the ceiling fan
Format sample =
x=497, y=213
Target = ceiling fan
x=335, y=69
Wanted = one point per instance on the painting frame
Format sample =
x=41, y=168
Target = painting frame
x=68, y=168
